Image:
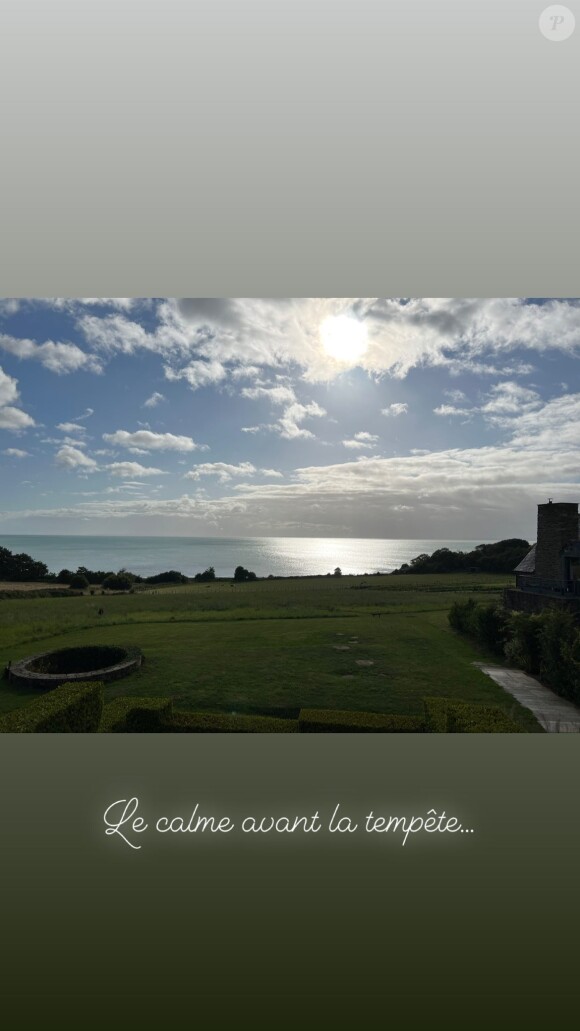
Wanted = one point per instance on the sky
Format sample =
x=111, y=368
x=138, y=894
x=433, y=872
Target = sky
x=332, y=417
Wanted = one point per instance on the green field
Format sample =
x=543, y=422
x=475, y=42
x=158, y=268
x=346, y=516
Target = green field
x=377, y=643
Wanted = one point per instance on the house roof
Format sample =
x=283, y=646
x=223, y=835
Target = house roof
x=528, y=564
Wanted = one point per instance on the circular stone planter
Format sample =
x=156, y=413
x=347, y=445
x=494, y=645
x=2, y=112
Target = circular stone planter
x=70, y=665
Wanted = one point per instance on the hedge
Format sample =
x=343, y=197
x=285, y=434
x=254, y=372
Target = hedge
x=316, y=721
x=444, y=715
x=71, y=708
x=218, y=723
x=156, y=715
x=436, y=714
x=134, y=715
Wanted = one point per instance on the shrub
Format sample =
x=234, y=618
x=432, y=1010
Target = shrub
x=461, y=616
x=218, y=723
x=118, y=582
x=79, y=582
x=444, y=715
x=523, y=641
x=206, y=577
x=172, y=576
x=558, y=645
x=72, y=708
x=65, y=576
x=134, y=715
x=489, y=626
x=315, y=721
x=465, y=718
x=436, y=715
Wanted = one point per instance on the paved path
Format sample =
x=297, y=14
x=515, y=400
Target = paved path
x=555, y=714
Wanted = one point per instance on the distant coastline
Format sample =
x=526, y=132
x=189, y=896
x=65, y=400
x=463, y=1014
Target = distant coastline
x=275, y=556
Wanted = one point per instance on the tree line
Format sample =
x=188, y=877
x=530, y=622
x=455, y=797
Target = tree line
x=501, y=557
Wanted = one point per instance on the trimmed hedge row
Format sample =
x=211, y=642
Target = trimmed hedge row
x=72, y=708
x=316, y=721
x=135, y=715
x=445, y=716
x=218, y=723
x=78, y=708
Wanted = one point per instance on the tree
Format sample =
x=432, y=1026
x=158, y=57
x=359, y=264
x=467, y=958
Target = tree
x=118, y=582
x=20, y=567
x=205, y=577
x=172, y=576
x=337, y=571
x=79, y=582
x=241, y=574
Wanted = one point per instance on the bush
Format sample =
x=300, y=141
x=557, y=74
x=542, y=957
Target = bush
x=65, y=576
x=465, y=718
x=241, y=574
x=170, y=577
x=134, y=715
x=436, y=715
x=489, y=626
x=444, y=715
x=79, y=582
x=461, y=616
x=118, y=582
x=206, y=577
x=218, y=723
x=559, y=646
x=316, y=721
x=523, y=641
x=72, y=708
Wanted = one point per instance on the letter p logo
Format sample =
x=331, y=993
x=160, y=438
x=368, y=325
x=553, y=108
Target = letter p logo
x=557, y=23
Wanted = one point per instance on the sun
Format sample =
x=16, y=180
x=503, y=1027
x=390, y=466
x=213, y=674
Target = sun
x=344, y=338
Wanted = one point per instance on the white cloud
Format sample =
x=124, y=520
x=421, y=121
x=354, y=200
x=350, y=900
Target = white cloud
x=294, y=412
x=15, y=452
x=198, y=373
x=222, y=470
x=8, y=388
x=276, y=395
x=71, y=458
x=145, y=440
x=361, y=440
x=154, y=400
x=132, y=469
x=288, y=423
x=445, y=410
x=398, y=408
x=11, y=418
x=58, y=357
x=14, y=419
x=207, y=340
x=71, y=427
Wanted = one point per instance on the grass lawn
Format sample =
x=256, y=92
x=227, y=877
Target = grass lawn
x=274, y=646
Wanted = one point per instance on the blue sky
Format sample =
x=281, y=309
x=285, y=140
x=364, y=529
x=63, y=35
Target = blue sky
x=372, y=417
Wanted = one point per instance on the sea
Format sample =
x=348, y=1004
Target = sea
x=265, y=556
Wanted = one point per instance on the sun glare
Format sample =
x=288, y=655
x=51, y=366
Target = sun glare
x=344, y=338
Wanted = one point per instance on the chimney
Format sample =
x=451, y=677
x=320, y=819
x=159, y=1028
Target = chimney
x=557, y=525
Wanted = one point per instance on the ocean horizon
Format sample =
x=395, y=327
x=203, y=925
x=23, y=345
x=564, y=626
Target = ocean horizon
x=275, y=556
